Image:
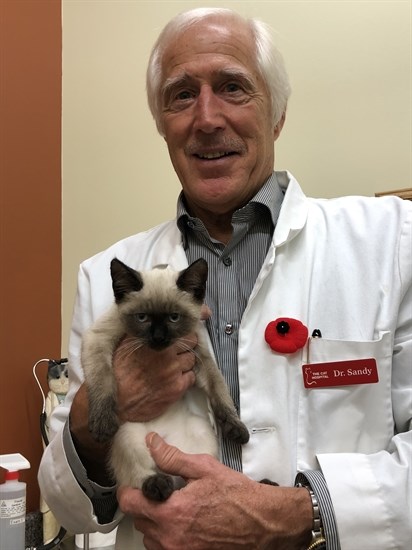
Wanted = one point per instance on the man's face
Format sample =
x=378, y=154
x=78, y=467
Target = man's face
x=216, y=116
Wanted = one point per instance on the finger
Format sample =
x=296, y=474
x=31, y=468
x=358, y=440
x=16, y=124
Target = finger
x=205, y=312
x=173, y=461
x=149, y=543
x=186, y=362
x=186, y=344
x=132, y=502
x=188, y=379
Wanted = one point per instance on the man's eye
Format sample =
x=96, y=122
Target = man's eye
x=232, y=87
x=177, y=100
x=141, y=317
x=183, y=95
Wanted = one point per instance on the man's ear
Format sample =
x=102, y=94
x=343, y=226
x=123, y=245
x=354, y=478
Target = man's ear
x=279, y=126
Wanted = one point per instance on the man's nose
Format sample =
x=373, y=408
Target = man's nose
x=208, y=113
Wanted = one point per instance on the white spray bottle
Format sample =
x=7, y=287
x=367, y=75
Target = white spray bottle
x=13, y=503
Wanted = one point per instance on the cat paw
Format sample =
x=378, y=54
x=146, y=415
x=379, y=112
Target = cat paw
x=235, y=431
x=103, y=420
x=158, y=487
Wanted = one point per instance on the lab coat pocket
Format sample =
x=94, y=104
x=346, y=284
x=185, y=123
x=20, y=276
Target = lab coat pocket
x=352, y=418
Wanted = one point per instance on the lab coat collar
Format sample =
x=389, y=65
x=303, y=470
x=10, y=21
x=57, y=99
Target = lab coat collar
x=294, y=211
x=171, y=252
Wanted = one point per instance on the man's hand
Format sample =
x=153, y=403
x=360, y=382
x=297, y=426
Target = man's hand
x=219, y=509
x=148, y=381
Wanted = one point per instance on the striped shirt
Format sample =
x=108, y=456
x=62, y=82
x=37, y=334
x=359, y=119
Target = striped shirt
x=315, y=480
x=233, y=269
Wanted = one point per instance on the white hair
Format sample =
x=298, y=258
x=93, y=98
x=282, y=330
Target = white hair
x=269, y=59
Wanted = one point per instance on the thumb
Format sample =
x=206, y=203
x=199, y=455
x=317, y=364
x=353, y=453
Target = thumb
x=172, y=460
x=205, y=312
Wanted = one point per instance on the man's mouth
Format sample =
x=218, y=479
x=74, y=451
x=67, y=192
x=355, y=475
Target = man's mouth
x=214, y=149
x=215, y=155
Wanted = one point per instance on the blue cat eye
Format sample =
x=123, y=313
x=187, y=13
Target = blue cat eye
x=141, y=317
x=174, y=317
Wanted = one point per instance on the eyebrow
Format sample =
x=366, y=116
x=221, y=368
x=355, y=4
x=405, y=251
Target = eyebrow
x=174, y=82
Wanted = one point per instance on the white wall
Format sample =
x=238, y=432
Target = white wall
x=348, y=128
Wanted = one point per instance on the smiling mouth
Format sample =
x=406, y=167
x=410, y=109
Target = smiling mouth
x=214, y=156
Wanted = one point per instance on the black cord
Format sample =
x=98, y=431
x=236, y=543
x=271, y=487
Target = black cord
x=43, y=430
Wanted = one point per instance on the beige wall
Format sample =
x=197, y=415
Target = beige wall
x=348, y=128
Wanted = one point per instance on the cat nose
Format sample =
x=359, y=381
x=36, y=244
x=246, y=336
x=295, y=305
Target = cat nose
x=159, y=338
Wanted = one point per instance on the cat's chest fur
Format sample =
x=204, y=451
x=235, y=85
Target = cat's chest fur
x=179, y=426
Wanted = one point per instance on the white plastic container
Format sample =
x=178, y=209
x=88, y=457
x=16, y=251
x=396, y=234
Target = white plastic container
x=13, y=503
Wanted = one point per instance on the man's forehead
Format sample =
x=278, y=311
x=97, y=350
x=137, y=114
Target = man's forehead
x=211, y=62
x=209, y=38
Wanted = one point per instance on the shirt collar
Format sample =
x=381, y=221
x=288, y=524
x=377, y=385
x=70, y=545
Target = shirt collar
x=270, y=196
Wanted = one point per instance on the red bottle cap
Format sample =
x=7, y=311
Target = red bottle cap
x=11, y=475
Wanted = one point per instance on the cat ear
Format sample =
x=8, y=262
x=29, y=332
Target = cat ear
x=193, y=279
x=124, y=279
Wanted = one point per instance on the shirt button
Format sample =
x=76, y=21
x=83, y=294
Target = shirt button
x=227, y=261
x=229, y=328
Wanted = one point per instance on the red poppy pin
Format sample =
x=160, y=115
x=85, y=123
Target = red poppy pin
x=286, y=335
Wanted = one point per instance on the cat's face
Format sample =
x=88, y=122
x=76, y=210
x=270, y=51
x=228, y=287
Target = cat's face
x=58, y=378
x=158, y=330
x=161, y=306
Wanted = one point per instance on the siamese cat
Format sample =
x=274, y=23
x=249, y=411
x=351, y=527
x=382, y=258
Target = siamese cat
x=155, y=308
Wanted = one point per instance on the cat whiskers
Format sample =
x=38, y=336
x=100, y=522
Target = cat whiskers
x=128, y=346
x=181, y=344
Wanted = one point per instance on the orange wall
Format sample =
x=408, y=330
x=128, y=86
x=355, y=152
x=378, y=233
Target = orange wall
x=30, y=218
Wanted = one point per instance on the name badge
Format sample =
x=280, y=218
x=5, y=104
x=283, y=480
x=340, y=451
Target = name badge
x=340, y=373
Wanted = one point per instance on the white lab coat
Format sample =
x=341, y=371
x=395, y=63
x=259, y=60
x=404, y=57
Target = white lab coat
x=342, y=266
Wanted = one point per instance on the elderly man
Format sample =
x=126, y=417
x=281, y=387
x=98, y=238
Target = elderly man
x=328, y=416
